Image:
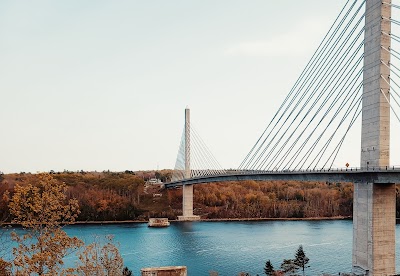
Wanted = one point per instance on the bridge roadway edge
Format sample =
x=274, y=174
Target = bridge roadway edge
x=379, y=177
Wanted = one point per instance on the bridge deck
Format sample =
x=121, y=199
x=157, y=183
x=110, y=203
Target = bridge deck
x=355, y=175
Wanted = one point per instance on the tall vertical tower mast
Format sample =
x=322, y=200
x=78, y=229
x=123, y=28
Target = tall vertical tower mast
x=187, y=143
x=375, y=136
x=374, y=208
x=187, y=190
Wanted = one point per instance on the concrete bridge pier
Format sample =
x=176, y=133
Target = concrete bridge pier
x=374, y=208
x=374, y=220
x=187, y=190
x=187, y=205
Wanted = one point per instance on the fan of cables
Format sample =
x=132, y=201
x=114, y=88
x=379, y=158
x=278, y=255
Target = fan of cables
x=310, y=126
x=201, y=161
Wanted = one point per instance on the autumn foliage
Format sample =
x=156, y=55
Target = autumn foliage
x=100, y=260
x=42, y=208
x=275, y=199
x=118, y=196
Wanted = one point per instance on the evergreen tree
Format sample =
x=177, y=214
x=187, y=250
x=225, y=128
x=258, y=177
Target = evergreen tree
x=269, y=268
x=301, y=259
x=127, y=272
x=288, y=266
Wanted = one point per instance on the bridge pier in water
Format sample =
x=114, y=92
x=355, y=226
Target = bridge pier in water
x=187, y=204
x=374, y=219
x=187, y=190
x=374, y=208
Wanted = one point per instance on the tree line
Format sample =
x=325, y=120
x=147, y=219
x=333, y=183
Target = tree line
x=275, y=199
x=117, y=196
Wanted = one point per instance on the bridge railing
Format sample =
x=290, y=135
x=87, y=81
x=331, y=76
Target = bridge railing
x=316, y=170
x=303, y=171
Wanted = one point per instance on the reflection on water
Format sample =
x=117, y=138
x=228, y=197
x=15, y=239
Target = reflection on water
x=230, y=247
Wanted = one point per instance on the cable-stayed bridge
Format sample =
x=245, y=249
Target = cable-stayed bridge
x=353, y=77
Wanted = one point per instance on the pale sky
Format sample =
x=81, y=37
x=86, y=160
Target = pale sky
x=98, y=85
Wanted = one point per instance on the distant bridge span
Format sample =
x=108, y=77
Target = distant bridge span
x=355, y=175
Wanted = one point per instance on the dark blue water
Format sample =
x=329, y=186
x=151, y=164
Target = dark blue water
x=230, y=247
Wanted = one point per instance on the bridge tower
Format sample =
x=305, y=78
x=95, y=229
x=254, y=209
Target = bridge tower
x=187, y=190
x=374, y=203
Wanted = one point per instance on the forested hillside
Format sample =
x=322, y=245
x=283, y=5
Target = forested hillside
x=117, y=196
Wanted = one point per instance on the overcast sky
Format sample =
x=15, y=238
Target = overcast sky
x=98, y=85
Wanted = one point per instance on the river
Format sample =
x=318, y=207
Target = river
x=230, y=247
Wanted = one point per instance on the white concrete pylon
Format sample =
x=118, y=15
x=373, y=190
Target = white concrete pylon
x=374, y=208
x=187, y=190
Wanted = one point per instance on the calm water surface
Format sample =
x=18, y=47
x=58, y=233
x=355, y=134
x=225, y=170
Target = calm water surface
x=231, y=247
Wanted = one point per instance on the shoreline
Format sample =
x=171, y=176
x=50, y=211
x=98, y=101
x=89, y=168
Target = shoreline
x=217, y=220
x=110, y=222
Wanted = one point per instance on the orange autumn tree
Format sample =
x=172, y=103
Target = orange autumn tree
x=100, y=258
x=42, y=210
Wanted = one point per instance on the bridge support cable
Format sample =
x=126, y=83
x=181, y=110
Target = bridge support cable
x=314, y=85
x=266, y=147
x=314, y=79
x=208, y=163
x=355, y=102
x=392, y=20
x=392, y=5
x=392, y=95
x=392, y=89
x=387, y=100
x=333, y=73
x=353, y=99
x=179, y=169
x=322, y=89
x=339, y=145
x=335, y=150
x=328, y=137
x=333, y=97
x=355, y=90
x=202, y=161
x=307, y=72
x=395, y=92
x=391, y=107
x=392, y=52
x=305, y=155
